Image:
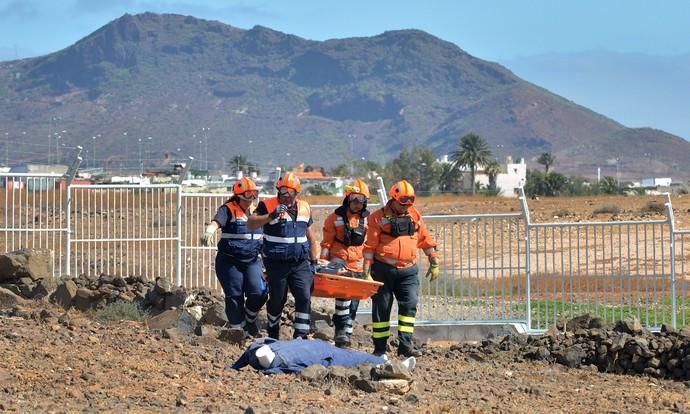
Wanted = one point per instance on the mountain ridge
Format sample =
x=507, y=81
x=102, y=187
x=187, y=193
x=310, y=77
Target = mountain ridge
x=281, y=99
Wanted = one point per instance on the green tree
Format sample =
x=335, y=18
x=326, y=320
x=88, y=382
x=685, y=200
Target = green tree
x=608, y=185
x=341, y=170
x=547, y=160
x=240, y=162
x=449, y=178
x=472, y=151
x=418, y=166
x=492, y=169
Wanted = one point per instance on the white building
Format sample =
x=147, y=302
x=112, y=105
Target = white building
x=512, y=176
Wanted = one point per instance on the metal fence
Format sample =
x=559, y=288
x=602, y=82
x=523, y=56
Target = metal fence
x=494, y=267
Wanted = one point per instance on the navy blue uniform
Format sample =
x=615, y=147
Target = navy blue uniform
x=287, y=261
x=238, y=267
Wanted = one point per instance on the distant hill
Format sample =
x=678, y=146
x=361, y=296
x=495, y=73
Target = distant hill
x=281, y=99
x=636, y=89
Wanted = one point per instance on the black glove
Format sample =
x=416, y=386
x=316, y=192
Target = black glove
x=312, y=265
x=282, y=208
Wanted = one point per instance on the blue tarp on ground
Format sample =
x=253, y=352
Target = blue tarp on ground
x=295, y=355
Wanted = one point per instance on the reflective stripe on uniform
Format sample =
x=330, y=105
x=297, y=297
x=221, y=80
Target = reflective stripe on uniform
x=382, y=334
x=405, y=323
x=369, y=255
x=302, y=315
x=380, y=329
x=245, y=236
x=394, y=262
x=342, y=307
x=304, y=327
x=275, y=239
x=429, y=250
x=339, y=222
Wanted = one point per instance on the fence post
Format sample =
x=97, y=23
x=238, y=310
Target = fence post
x=68, y=251
x=382, y=191
x=178, y=271
x=68, y=177
x=672, y=231
x=528, y=275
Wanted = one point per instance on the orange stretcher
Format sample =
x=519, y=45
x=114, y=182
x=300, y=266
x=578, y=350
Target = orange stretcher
x=343, y=287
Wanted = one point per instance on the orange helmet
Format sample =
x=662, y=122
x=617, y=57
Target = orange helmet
x=289, y=180
x=242, y=185
x=357, y=187
x=403, y=192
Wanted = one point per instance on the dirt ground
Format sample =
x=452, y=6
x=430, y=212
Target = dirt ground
x=55, y=362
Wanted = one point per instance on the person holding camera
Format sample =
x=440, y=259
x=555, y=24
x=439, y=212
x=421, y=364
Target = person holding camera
x=290, y=252
x=394, y=234
x=342, y=245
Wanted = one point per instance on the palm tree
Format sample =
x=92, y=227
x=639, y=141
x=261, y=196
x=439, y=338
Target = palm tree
x=238, y=162
x=472, y=151
x=492, y=169
x=546, y=159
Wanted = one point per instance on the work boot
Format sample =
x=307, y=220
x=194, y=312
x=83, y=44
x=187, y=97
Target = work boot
x=409, y=352
x=252, y=330
x=342, y=339
x=379, y=352
x=274, y=332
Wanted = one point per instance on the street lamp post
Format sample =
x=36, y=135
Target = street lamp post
x=141, y=166
x=149, y=151
x=7, y=148
x=205, y=130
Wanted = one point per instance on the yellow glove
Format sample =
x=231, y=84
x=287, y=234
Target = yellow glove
x=366, y=273
x=208, y=236
x=434, y=269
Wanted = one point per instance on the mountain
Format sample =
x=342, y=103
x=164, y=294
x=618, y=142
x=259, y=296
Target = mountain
x=636, y=89
x=281, y=99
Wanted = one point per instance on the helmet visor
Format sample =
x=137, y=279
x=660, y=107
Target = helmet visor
x=359, y=198
x=406, y=200
x=250, y=195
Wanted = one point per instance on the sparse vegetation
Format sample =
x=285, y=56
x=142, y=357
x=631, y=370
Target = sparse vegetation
x=653, y=207
x=608, y=208
x=119, y=311
x=564, y=212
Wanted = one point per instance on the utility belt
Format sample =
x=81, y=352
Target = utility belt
x=400, y=264
x=246, y=260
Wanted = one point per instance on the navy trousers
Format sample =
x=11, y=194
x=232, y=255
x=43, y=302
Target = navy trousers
x=244, y=288
x=403, y=285
x=298, y=277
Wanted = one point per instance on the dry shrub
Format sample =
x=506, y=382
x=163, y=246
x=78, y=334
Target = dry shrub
x=608, y=208
x=564, y=212
x=119, y=311
x=653, y=207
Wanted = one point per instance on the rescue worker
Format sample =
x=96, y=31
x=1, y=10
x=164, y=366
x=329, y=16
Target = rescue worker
x=238, y=267
x=290, y=253
x=395, y=233
x=342, y=245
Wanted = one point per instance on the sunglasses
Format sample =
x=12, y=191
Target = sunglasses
x=406, y=200
x=360, y=198
x=250, y=195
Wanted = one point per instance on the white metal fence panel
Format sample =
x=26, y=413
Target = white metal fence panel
x=483, y=273
x=33, y=214
x=124, y=230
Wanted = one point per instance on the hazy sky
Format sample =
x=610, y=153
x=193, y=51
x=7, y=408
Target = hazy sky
x=492, y=30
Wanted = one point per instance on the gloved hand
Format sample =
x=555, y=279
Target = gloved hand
x=282, y=208
x=312, y=265
x=366, y=272
x=207, y=237
x=434, y=269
